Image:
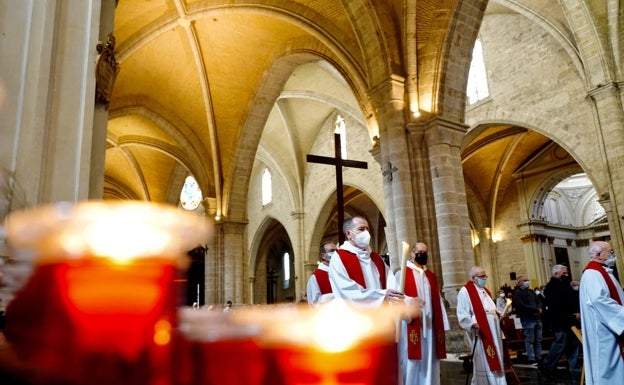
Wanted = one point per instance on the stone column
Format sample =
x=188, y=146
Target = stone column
x=226, y=265
x=49, y=54
x=388, y=98
x=609, y=110
x=100, y=114
x=442, y=139
x=235, y=261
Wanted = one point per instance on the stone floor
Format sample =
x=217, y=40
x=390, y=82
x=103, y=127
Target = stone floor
x=452, y=373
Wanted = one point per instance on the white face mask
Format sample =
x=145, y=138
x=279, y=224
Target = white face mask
x=611, y=260
x=362, y=240
x=502, y=295
x=331, y=254
x=575, y=288
x=526, y=284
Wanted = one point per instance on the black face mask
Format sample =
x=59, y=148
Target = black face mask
x=421, y=258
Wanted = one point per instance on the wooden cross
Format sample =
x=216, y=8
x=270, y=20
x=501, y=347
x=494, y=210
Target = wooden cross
x=338, y=162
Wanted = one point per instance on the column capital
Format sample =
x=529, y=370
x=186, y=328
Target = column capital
x=602, y=91
x=232, y=227
x=439, y=130
x=391, y=89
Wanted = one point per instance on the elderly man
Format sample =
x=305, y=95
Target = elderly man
x=602, y=317
x=560, y=299
x=476, y=313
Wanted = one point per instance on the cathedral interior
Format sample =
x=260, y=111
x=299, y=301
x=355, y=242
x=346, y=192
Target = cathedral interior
x=492, y=130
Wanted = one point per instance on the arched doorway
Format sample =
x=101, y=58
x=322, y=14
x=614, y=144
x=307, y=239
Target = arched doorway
x=273, y=273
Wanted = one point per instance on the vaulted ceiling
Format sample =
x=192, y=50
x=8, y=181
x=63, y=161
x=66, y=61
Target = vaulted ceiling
x=201, y=80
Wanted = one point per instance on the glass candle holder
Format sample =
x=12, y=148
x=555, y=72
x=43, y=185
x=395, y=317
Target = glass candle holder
x=101, y=304
x=331, y=345
x=222, y=349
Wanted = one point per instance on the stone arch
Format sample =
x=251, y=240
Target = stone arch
x=453, y=63
x=552, y=127
x=270, y=233
x=196, y=160
x=268, y=93
x=548, y=183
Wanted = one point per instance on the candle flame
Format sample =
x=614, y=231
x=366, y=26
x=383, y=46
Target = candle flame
x=337, y=327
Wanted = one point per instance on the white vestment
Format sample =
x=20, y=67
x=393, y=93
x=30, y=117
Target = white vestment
x=482, y=374
x=349, y=290
x=313, y=289
x=602, y=318
x=425, y=371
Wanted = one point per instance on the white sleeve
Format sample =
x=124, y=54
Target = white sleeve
x=465, y=315
x=313, y=291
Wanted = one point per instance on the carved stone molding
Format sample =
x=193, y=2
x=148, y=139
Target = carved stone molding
x=106, y=70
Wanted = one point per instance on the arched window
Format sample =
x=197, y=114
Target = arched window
x=267, y=187
x=341, y=128
x=286, y=265
x=191, y=195
x=477, y=88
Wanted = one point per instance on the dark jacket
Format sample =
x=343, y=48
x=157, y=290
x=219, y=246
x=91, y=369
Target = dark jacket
x=527, y=305
x=559, y=300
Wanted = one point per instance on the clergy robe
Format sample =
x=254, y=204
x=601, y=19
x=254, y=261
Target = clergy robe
x=425, y=371
x=313, y=289
x=482, y=374
x=602, y=318
x=370, y=295
x=345, y=287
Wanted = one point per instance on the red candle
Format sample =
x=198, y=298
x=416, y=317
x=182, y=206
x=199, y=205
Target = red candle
x=223, y=350
x=332, y=345
x=100, y=306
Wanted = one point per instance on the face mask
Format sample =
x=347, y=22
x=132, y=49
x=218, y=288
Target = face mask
x=575, y=288
x=421, y=258
x=330, y=255
x=526, y=284
x=481, y=282
x=362, y=240
x=611, y=261
x=537, y=292
x=502, y=295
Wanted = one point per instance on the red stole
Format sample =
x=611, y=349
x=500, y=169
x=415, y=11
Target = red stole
x=414, y=340
x=322, y=278
x=354, y=269
x=593, y=265
x=487, y=339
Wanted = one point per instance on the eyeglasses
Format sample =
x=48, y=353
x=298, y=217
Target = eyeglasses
x=482, y=276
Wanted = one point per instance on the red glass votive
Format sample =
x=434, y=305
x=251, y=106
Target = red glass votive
x=223, y=350
x=334, y=344
x=100, y=305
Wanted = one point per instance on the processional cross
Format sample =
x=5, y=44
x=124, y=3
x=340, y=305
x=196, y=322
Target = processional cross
x=338, y=162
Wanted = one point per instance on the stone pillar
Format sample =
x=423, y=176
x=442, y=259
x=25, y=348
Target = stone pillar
x=388, y=98
x=609, y=110
x=442, y=139
x=533, y=245
x=226, y=265
x=49, y=54
x=235, y=261
x=100, y=115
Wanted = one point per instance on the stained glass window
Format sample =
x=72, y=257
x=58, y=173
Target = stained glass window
x=191, y=195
